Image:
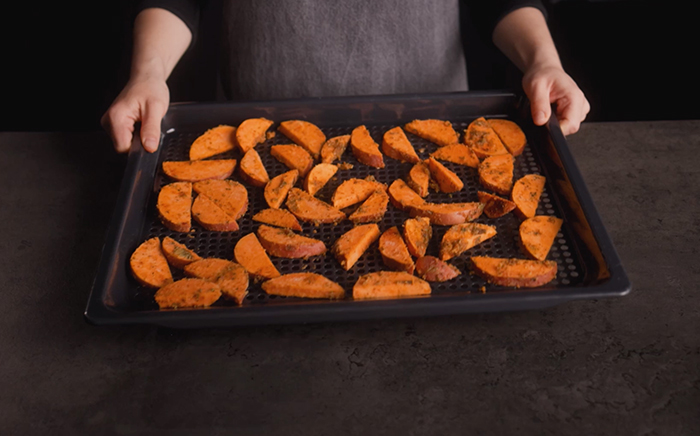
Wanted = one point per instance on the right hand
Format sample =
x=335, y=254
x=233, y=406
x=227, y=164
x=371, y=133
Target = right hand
x=144, y=100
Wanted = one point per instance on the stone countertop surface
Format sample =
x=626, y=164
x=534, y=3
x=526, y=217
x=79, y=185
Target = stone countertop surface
x=626, y=366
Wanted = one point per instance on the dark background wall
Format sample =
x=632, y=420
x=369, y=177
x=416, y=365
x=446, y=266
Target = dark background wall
x=63, y=64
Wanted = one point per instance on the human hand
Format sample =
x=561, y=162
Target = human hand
x=144, y=100
x=547, y=85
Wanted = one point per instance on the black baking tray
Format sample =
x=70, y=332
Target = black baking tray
x=589, y=267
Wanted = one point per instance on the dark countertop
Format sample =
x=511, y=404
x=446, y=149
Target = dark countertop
x=621, y=366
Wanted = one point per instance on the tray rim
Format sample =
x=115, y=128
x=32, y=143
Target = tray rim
x=97, y=312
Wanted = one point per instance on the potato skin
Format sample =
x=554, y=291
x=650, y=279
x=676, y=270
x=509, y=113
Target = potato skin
x=432, y=269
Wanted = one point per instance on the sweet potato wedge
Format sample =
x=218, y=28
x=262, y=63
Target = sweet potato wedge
x=394, y=252
x=396, y=145
x=252, y=256
x=432, y=269
x=277, y=189
x=537, y=235
x=459, y=154
x=526, y=194
x=438, y=131
x=304, y=285
x=174, y=204
x=417, y=233
x=251, y=132
x=252, y=169
x=495, y=206
x=285, y=243
x=419, y=178
x=520, y=273
x=496, y=173
x=389, y=284
x=234, y=282
x=277, y=218
x=353, y=191
x=178, y=255
x=212, y=217
x=483, y=140
x=365, y=149
x=214, y=141
x=304, y=133
x=207, y=269
x=334, y=148
x=448, y=214
x=372, y=210
x=461, y=237
x=149, y=265
x=318, y=177
x=230, y=196
x=187, y=293
x=294, y=157
x=353, y=243
x=402, y=196
x=446, y=179
x=510, y=134
x=196, y=170
x=310, y=209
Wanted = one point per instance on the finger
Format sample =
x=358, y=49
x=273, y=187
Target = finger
x=121, y=128
x=150, y=126
x=540, y=102
x=571, y=113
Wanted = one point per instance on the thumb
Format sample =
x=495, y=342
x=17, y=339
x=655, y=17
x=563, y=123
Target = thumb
x=150, y=126
x=540, y=104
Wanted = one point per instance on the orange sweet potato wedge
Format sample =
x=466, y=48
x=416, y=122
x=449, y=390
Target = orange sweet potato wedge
x=187, y=293
x=419, y=178
x=519, y=273
x=277, y=189
x=438, y=131
x=252, y=169
x=417, y=233
x=277, y=218
x=372, y=210
x=537, y=235
x=396, y=145
x=510, y=134
x=214, y=141
x=483, y=140
x=174, y=203
x=334, y=148
x=230, y=196
x=432, y=269
x=251, y=132
x=496, y=173
x=149, y=265
x=462, y=237
x=252, y=256
x=446, y=179
x=526, y=194
x=318, y=177
x=234, y=282
x=389, y=284
x=285, y=243
x=403, y=197
x=294, y=157
x=448, y=214
x=310, y=209
x=196, y=170
x=304, y=133
x=365, y=149
x=459, y=154
x=495, y=206
x=178, y=255
x=212, y=217
x=353, y=243
x=207, y=269
x=394, y=252
x=353, y=191
x=304, y=285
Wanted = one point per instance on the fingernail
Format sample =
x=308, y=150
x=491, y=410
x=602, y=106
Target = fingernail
x=541, y=117
x=150, y=144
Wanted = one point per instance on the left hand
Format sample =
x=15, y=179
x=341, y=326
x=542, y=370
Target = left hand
x=547, y=85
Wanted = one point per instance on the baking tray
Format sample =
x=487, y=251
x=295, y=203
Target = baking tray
x=588, y=265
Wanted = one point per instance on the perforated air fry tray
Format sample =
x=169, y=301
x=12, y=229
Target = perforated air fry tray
x=588, y=266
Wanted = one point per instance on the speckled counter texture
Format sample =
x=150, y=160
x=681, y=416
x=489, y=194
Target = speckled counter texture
x=626, y=366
